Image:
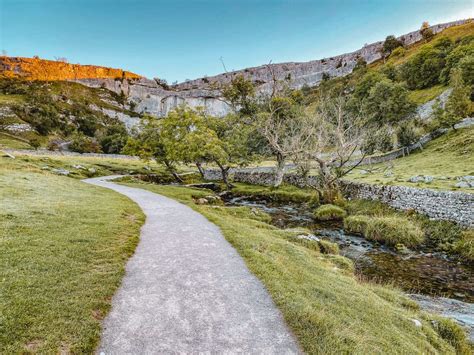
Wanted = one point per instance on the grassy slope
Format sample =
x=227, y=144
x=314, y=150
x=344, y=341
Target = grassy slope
x=449, y=156
x=327, y=308
x=60, y=263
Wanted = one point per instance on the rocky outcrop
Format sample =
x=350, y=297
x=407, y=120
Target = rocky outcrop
x=156, y=98
x=50, y=70
x=153, y=98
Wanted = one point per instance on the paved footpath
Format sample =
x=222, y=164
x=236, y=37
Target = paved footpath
x=186, y=290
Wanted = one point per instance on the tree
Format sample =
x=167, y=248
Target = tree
x=390, y=43
x=148, y=144
x=341, y=130
x=423, y=69
x=388, y=102
x=426, y=31
x=458, y=104
x=240, y=95
x=236, y=143
x=187, y=137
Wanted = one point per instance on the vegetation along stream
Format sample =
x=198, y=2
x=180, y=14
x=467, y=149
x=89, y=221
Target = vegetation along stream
x=435, y=281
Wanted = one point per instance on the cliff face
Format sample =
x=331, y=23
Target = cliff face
x=151, y=97
x=49, y=70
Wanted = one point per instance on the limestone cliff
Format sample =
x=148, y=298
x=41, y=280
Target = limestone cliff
x=154, y=98
x=151, y=97
x=50, y=70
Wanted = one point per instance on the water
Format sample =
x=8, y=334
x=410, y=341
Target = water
x=435, y=281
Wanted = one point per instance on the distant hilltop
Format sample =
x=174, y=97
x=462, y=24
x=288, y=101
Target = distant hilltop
x=51, y=70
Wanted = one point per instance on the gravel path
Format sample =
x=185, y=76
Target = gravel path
x=186, y=290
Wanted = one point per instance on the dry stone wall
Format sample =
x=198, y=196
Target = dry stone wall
x=440, y=205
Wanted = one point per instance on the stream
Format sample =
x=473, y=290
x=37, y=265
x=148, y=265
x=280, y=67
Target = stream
x=439, y=284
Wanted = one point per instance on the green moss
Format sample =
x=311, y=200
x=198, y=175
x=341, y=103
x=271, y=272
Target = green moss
x=356, y=224
x=329, y=212
x=394, y=230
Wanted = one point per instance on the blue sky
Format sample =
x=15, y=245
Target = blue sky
x=179, y=39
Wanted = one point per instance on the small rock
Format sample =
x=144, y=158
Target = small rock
x=417, y=178
x=308, y=237
x=202, y=201
x=77, y=166
x=61, y=172
x=146, y=167
x=92, y=170
x=45, y=167
x=417, y=323
x=463, y=185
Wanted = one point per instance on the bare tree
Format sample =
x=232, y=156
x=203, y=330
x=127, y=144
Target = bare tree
x=61, y=59
x=341, y=132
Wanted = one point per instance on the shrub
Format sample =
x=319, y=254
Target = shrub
x=453, y=334
x=465, y=246
x=406, y=134
x=394, y=230
x=329, y=212
x=35, y=143
x=398, y=52
x=356, y=224
x=83, y=144
x=327, y=247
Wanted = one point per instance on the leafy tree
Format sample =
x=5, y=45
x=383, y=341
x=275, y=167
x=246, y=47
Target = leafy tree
x=390, y=71
x=236, y=143
x=148, y=144
x=240, y=94
x=398, y=52
x=390, y=43
x=423, y=69
x=406, y=134
x=388, y=102
x=368, y=81
x=83, y=144
x=466, y=65
x=454, y=58
x=458, y=104
x=114, y=139
x=426, y=31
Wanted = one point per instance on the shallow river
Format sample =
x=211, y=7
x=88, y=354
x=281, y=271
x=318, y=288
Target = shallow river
x=435, y=281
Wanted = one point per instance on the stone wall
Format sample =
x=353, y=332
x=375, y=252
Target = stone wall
x=441, y=205
x=41, y=152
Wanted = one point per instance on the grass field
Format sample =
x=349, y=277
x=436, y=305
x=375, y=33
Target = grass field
x=326, y=307
x=445, y=158
x=60, y=263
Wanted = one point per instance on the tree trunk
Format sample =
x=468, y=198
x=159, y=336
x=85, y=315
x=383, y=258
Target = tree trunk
x=225, y=175
x=280, y=170
x=173, y=172
x=201, y=171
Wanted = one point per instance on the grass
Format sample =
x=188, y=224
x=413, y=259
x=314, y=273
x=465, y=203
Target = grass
x=329, y=212
x=12, y=142
x=60, y=263
x=98, y=166
x=11, y=99
x=445, y=158
x=422, y=96
x=393, y=231
x=327, y=308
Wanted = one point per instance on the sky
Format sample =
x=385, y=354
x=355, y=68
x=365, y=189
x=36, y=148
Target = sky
x=186, y=39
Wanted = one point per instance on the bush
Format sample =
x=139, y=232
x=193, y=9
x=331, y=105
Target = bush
x=327, y=247
x=465, y=246
x=394, y=230
x=329, y=212
x=453, y=334
x=406, y=134
x=83, y=144
x=356, y=224
x=398, y=52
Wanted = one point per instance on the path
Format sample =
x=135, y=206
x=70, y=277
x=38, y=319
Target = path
x=186, y=290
